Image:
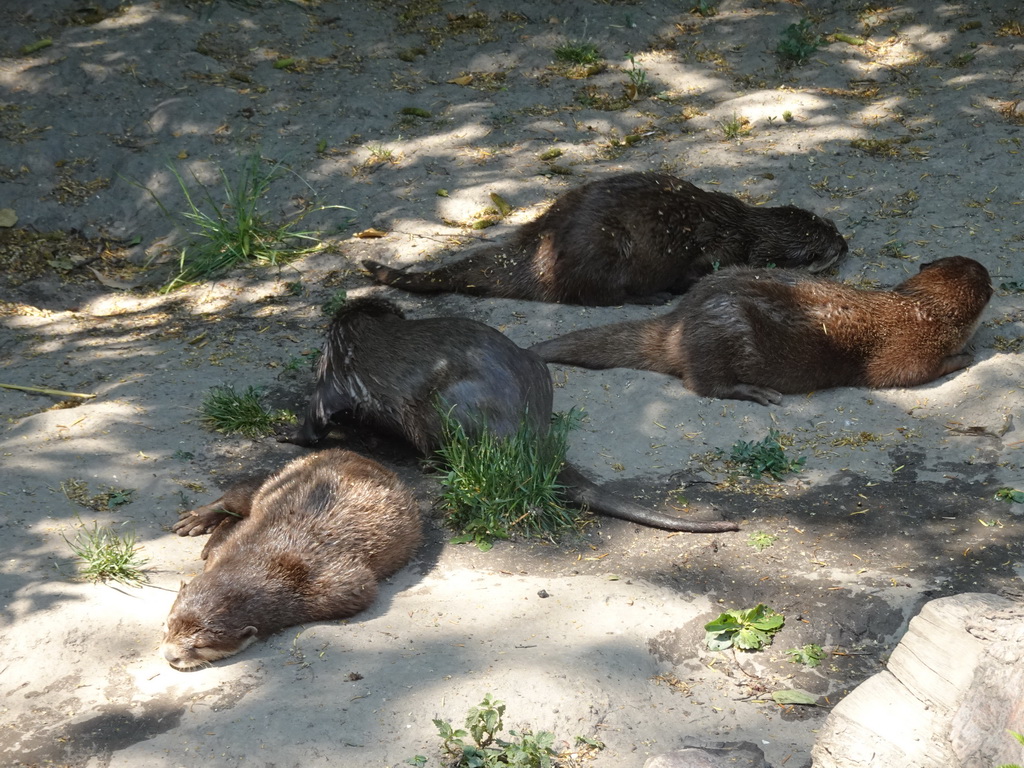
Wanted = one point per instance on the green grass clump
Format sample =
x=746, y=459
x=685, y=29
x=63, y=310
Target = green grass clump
x=578, y=53
x=233, y=230
x=229, y=411
x=498, y=486
x=104, y=554
x=765, y=457
x=798, y=42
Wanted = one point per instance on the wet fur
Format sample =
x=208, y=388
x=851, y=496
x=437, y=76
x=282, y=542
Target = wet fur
x=308, y=543
x=389, y=372
x=630, y=238
x=752, y=334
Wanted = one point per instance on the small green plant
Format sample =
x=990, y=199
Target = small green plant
x=233, y=230
x=798, y=42
x=335, y=302
x=78, y=491
x=578, y=53
x=703, y=8
x=787, y=116
x=1010, y=495
x=809, y=655
x=303, y=360
x=496, y=486
x=736, y=127
x=484, y=749
x=748, y=630
x=104, y=554
x=381, y=154
x=226, y=410
x=765, y=457
x=760, y=540
x=638, y=78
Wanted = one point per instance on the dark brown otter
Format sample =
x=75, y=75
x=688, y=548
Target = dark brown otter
x=753, y=334
x=309, y=543
x=391, y=373
x=634, y=237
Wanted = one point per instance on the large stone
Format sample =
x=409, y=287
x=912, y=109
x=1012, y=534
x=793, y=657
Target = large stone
x=949, y=698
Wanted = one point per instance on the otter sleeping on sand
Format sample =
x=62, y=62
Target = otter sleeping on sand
x=751, y=334
x=390, y=373
x=630, y=238
x=308, y=543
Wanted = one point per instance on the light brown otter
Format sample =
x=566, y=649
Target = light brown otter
x=309, y=543
x=754, y=334
x=391, y=373
x=630, y=238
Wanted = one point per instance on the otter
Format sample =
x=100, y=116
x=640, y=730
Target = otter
x=308, y=543
x=754, y=334
x=630, y=238
x=392, y=373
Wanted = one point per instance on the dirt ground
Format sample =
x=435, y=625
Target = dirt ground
x=412, y=113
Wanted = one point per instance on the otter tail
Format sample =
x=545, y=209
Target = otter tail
x=633, y=344
x=585, y=493
x=463, y=276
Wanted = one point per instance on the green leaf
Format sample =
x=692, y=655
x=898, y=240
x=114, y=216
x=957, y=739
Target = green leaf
x=794, y=696
x=750, y=639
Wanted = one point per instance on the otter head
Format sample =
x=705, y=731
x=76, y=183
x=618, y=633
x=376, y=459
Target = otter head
x=202, y=628
x=790, y=237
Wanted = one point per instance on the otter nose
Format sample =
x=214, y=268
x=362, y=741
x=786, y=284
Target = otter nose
x=170, y=655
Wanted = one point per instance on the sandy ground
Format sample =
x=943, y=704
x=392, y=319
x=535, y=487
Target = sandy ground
x=910, y=142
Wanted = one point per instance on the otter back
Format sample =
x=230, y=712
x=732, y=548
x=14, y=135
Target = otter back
x=630, y=238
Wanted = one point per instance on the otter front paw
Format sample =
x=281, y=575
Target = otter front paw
x=196, y=522
x=762, y=395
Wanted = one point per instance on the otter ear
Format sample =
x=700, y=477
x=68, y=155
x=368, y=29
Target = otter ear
x=249, y=632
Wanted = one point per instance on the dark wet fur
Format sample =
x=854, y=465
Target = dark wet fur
x=755, y=334
x=634, y=237
x=389, y=373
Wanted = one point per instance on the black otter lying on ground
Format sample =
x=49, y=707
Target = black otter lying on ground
x=308, y=543
x=391, y=372
x=630, y=238
x=754, y=334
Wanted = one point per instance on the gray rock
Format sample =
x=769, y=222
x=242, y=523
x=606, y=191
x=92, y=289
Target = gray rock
x=951, y=693
x=741, y=754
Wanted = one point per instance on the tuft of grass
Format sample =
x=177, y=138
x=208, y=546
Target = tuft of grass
x=233, y=230
x=765, y=457
x=578, y=53
x=735, y=128
x=226, y=410
x=495, y=487
x=798, y=41
x=638, y=79
x=104, y=554
x=334, y=303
